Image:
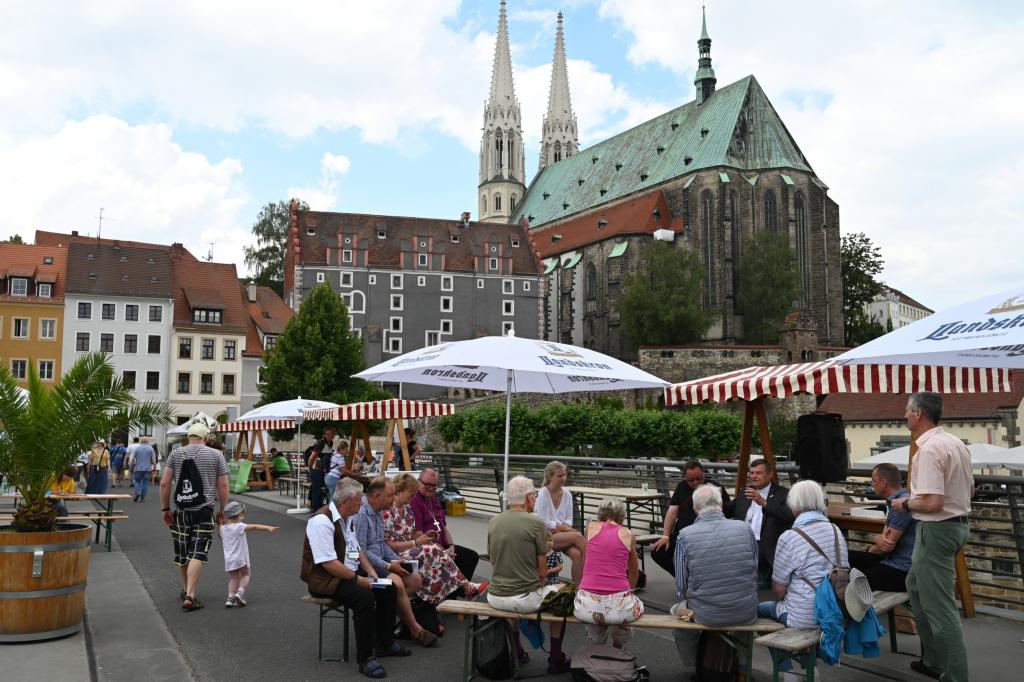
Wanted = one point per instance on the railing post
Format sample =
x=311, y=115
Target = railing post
x=1014, y=492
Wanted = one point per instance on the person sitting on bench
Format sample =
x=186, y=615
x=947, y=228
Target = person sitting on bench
x=887, y=560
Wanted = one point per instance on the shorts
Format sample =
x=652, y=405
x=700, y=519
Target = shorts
x=192, y=533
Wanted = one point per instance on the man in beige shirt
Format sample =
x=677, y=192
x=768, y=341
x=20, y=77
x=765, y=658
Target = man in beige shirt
x=942, y=486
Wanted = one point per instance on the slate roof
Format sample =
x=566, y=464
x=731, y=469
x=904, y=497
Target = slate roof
x=204, y=280
x=98, y=269
x=404, y=233
x=268, y=314
x=26, y=260
x=869, y=407
x=635, y=216
x=47, y=238
x=736, y=128
x=906, y=300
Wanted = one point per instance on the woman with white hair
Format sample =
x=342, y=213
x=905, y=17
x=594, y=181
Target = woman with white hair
x=554, y=505
x=799, y=565
x=605, y=596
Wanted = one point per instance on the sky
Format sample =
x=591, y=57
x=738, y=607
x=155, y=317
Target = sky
x=180, y=120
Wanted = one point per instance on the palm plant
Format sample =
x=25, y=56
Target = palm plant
x=44, y=431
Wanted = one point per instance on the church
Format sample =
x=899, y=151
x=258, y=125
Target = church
x=705, y=176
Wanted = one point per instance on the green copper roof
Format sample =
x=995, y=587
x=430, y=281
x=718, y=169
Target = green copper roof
x=618, y=249
x=737, y=127
x=549, y=265
x=569, y=260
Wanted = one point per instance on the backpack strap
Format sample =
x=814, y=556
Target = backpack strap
x=814, y=544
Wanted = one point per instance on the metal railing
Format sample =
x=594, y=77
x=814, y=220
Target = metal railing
x=995, y=550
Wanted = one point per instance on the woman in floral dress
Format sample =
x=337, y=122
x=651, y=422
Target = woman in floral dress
x=441, y=576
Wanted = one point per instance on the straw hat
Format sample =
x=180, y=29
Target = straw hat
x=859, y=597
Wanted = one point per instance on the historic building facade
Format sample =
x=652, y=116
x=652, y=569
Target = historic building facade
x=32, y=280
x=706, y=176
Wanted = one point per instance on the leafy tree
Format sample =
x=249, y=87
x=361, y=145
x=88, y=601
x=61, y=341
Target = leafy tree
x=315, y=356
x=662, y=305
x=861, y=261
x=770, y=285
x=271, y=231
x=15, y=239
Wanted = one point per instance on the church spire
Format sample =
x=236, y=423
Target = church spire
x=502, y=160
x=705, y=79
x=559, y=136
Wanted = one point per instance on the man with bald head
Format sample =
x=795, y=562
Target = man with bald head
x=430, y=518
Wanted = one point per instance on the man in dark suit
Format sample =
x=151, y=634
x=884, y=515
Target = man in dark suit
x=763, y=506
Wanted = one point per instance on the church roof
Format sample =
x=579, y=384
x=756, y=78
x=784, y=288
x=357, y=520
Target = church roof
x=737, y=127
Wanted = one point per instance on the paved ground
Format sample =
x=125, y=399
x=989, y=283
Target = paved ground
x=136, y=628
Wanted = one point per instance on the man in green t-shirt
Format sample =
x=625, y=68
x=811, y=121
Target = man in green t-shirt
x=518, y=543
x=279, y=463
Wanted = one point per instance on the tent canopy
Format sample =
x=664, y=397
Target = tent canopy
x=829, y=376
x=380, y=409
x=241, y=425
x=982, y=455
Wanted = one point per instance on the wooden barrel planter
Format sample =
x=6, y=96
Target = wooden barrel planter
x=42, y=582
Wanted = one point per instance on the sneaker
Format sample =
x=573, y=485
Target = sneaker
x=239, y=600
x=474, y=590
x=230, y=602
x=559, y=666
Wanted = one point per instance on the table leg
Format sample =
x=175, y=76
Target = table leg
x=963, y=585
x=110, y=512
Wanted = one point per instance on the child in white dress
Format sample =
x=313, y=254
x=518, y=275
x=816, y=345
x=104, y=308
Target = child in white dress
x=236, y=550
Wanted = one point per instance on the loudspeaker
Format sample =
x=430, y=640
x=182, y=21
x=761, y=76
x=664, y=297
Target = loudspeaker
x=821, y=447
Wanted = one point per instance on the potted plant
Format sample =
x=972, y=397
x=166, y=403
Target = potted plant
x=42, y=432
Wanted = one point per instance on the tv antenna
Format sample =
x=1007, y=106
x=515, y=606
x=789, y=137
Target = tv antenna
x=99, y=229
x=209, y=256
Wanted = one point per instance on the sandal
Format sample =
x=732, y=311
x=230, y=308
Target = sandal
x=191, y=604
x=395, y=649
x=426, y=638
x=372, y=668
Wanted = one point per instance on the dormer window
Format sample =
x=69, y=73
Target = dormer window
x=206, y=315
x=310, y=231
x=151, y=260
x=19, y=286
x=91, y=256
x=515, y=243
x=455, y=239
x=381, y=234
x=44, y=290
x=47, y=260
x=124, y=259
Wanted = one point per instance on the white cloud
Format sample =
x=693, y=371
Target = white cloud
x=324, y=196
x=149, y=187
x=907, y=110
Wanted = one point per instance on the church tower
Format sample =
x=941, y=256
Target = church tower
x=559, y=137
x=502, y=159
x=705, y=79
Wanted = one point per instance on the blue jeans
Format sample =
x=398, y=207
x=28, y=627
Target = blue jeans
x=140, y=481
x=769, y=609
x=331, y=481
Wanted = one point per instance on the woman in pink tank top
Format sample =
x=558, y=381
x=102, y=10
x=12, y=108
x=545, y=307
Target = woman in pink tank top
x=604, y=597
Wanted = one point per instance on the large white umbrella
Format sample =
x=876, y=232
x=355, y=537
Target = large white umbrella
x=982, y=455
x=199, y=417
x=513, y=365
x=987, y=332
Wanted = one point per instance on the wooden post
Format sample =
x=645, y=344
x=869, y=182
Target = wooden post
x=359, y=431
x=405, y=445
x=766, y=438
x=745, y=438
x=266, y=458
x=395, y=425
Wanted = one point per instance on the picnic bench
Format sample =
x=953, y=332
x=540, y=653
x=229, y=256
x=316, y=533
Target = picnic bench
x=802, y=643
x=103, y=516
x=739, y=637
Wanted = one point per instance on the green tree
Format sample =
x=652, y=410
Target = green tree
x=316, y=356
x=15, y=239
x=271, y=231
x=662, y=305
x=770, y=285
x=861, y=261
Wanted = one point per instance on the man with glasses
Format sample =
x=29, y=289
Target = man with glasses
x=429, y=514
x=680, y=514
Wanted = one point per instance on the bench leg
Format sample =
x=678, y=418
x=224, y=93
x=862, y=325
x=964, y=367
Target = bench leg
x=467, y=654
x=325, y=612
x=892, y=630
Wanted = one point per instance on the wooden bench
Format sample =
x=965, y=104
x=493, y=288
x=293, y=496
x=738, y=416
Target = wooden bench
x=740, y=637
x=328, y=607
x=642, y=542
x=802, y=643
x=100, y=518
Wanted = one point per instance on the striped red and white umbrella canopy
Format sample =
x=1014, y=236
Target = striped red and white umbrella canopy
x=255, y=425
x=381, y=409
x=821, y=378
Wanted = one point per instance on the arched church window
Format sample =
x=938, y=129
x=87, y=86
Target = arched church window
x=707, y=238
x=499, y=149
x=802, y=243
x=512, y=205
x=771, y=212
x=483, y=205
x=734, y=223
x=558, y=152
x=511, y=152
x=591, y=282
x=497, y=202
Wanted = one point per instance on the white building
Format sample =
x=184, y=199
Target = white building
x=892, y=306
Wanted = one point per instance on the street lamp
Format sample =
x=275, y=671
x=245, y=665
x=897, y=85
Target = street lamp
x=299, y=509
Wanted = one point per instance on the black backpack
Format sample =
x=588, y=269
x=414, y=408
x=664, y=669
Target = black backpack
x=188, y=494
x=494, y=650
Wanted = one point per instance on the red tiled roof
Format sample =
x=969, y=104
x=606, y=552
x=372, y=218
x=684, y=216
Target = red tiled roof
x=28, y=258
x=633, y=217
x=891, y=407
x=195, y=276
x=477, y=242
x=267, y=301
x=46, y=238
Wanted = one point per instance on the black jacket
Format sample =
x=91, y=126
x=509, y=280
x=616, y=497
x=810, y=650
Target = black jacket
x=777, y=519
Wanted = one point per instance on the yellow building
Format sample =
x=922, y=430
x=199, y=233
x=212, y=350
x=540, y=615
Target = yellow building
x=32, y=309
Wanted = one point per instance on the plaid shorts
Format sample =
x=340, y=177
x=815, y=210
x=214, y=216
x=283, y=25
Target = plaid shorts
x=192, y=533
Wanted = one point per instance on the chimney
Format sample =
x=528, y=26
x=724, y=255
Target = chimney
x=465, y=219
x=74, y=233
x=250, y=290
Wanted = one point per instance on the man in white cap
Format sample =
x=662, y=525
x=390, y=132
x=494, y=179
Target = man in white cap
x=197, y=475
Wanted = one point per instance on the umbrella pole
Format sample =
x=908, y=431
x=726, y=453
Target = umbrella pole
x=508, y=423
x=299, y=509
